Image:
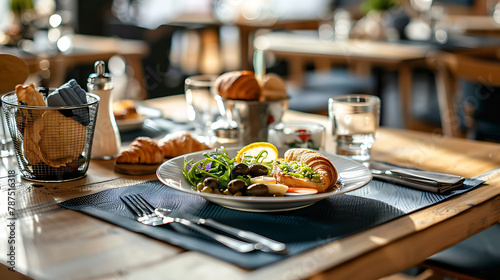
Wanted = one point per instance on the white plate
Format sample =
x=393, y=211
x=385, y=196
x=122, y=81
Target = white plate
x=353, y=175
x=130, y=124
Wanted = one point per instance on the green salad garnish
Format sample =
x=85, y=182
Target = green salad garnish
x=219, y=165
x=215, y=164
x=259, y=159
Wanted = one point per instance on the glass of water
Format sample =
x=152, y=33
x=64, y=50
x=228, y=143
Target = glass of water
x=202, y=107
x=355, y=119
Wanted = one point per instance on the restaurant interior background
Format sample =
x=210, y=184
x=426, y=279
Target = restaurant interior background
x=203, y=37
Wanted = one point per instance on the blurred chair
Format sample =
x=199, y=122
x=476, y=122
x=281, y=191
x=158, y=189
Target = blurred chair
x=469, y=93
x=14, y=71
x=468, y=86
x=477, y=257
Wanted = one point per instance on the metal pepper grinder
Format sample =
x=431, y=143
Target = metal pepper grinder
x=107, y=142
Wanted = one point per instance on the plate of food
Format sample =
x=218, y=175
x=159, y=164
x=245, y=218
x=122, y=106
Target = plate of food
x=126, y=115
x=261, y=178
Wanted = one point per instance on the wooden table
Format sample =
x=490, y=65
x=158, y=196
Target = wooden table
x=87, y=50
x=479, y=25
x=56, y=243
x=248, y=29
x=299, y=49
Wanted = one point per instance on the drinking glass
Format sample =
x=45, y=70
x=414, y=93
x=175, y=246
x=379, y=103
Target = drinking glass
x=202, y=108
x=355, y=120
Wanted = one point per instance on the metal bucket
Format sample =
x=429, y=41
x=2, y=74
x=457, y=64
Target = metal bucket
x=253, y=117
x=52, y=144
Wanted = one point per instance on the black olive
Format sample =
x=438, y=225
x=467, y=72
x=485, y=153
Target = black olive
x=211, y=182
x=258, y=170
x=257, y=190
x=240, y=169
x=237, y=185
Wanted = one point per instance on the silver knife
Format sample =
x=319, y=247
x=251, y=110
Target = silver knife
x=420, y=176
x=267, y=243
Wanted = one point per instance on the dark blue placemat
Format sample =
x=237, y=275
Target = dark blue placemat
x=302, y=229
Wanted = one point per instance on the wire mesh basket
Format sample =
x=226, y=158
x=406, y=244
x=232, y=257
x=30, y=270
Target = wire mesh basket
x=52, y=144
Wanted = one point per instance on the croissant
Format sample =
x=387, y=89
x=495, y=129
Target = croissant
x=318, y=163
x=273, y=88
x=143, y=150
x=180, y=143
x=238, y=85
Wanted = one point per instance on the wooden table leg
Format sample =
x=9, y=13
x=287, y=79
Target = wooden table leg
x=297, y=71
x=245, y=48
x=135, y=62
x=58, y=70
x=405, y=88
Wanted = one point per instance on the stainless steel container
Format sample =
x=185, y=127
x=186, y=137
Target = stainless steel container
x=254, y=117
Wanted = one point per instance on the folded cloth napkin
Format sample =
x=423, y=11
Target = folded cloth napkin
x=429, y=181
x=70, y=94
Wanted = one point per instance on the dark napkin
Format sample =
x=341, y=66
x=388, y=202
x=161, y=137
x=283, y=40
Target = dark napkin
x=155, y=128
x=303, y=229
x=414, y=178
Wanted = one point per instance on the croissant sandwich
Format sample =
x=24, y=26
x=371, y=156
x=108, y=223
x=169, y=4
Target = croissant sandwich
x=305, y=168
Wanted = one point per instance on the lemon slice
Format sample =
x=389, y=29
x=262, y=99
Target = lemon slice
x=255, y=148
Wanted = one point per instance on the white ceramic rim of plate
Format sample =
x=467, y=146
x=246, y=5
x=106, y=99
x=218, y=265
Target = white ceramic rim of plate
x=364, y=176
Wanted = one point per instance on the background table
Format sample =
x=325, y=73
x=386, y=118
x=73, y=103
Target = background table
x=299, y=49
x=87, y=50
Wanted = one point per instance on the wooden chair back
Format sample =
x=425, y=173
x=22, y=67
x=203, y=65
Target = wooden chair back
x=13, y=71
x=452, y=67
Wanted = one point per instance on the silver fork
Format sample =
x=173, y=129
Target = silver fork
x=147, y=215
x=136, y=204
x=262, y=243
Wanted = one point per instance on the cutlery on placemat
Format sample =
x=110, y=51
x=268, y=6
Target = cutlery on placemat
x=268, y=243
x=419, y=179
x=146, y=215
x=154, y=216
